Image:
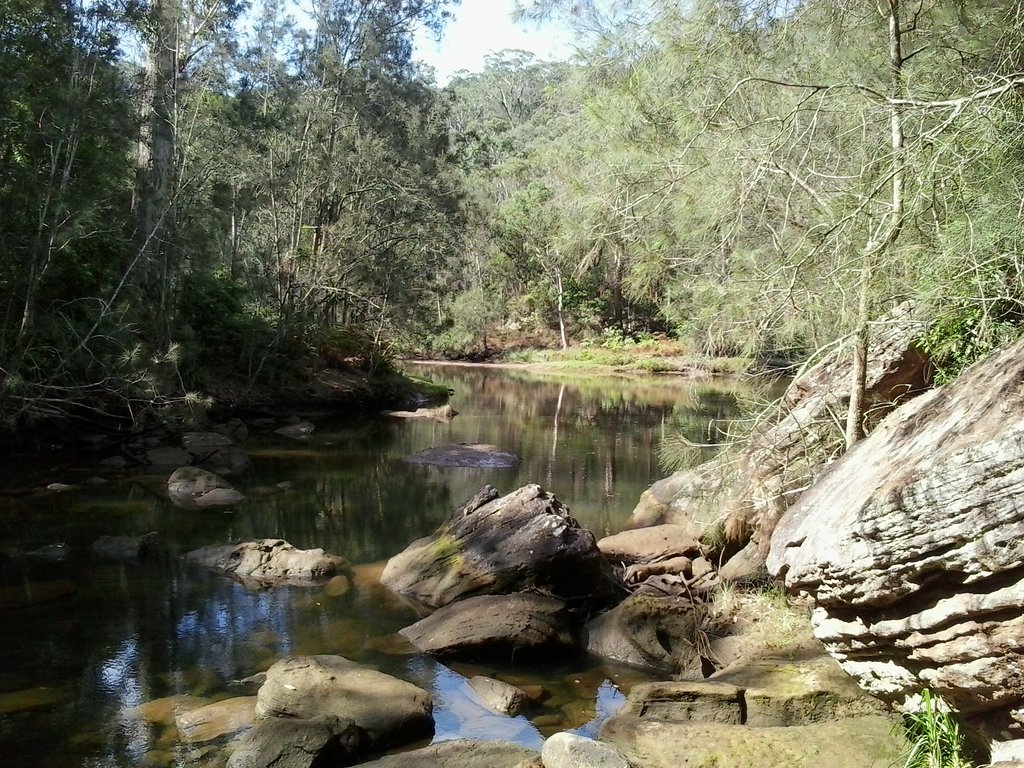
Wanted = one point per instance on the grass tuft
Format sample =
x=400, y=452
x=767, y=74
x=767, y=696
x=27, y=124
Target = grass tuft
x=935, y=738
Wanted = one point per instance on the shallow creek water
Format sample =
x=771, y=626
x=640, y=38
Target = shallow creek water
x=85, y=641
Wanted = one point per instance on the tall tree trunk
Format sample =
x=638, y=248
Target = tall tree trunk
x=889, y=229
x=155, y=167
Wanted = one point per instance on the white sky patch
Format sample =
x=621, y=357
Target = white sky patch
x=481, y=27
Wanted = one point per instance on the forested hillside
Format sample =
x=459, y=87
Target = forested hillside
x=198, y=194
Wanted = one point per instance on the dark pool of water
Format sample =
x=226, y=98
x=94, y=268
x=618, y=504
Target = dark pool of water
x=84, y=641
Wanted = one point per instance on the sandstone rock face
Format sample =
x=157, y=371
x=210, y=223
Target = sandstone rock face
x=388, y=710
x=269, y=561
x=499, y=545
x=912, y=547
x=656, y=632
x=194, y=488
x=746, y=494
x=514, y=625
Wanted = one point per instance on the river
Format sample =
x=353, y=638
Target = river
x=86, y=641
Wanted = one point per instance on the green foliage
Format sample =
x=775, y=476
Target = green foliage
x=963, y=334
x=934, y=735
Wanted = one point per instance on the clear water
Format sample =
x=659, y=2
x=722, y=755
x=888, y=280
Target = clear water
x=84, y=641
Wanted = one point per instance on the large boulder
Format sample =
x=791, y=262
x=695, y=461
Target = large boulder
x=388, y=710
x=195, y=488
x=269, y=561
x=525, y=540
x=512, y=625
x=741, y=495
x=911, y=547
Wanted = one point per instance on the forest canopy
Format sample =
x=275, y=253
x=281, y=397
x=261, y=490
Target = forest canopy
x=207, y=193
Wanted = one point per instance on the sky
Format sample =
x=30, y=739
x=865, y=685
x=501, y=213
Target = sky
x=480, y=27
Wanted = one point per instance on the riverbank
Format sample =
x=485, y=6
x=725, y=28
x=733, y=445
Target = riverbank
x=662, y=358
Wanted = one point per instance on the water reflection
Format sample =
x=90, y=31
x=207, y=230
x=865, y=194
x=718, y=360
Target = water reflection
x=86, y=641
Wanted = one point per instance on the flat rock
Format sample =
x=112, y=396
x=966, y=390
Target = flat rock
x=697, y=701
x=645, y=545
x=479, y=455
x=524, y=540
x=861, y=742
x=512, y=625
x=269, y=561
x=214, y=721
x=460, y=753
x=390, y=711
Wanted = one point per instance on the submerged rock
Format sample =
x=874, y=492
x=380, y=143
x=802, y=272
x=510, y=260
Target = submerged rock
x=127, y=549
x=213, y=721
x=297, y=431
x=466, y=455
x=911, y=546
x=512, y=625
x=269, y=561
x=525, y=540
x=195, y=488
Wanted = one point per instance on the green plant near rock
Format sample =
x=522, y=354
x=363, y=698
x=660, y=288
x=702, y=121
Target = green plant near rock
x=934, y=736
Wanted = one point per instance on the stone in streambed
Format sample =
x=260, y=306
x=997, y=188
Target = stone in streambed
x=127, y=549
x=513, y=625
x=269, y=561
x=390, y=711
x=491, y=545
x=499, y=696
x=195, y=488
x=213, y=721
